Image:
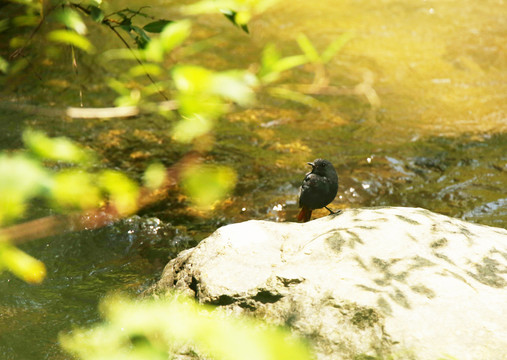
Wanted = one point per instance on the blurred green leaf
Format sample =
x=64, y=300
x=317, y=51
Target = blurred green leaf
x=4, y=24
x=232, y=85
x=154, y=176
x=58, y=149
x=282, y=65
x=272, y=63
x=133, y=329
x=192, y=79
x=235, y=85
x=207, y=184
x=18, y=66
x=203, y=96
x=75, y=189
x=154, y=51
x=188, y=128
x=4, y=65
x=174, y=34
x=21, y=264
x=143, y=69
x=290, y=62
x=123, y=192
x=294, y=96
x=132, y=98
x=71, y=19
x=22, y=178
x=244, y=8
x=123, y=54
x=336, y=46
x=308, y=48
x=18, y=41
x=270, y=56
x=204, y=105
x=26, y=20
x=157, y=26
x=207, y=7
x=71, y=38
x=118, y=86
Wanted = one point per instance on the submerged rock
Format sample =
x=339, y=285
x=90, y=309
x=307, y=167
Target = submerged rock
x=374, y=282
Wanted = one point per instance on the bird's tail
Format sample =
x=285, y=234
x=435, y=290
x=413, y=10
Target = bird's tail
x=305, y=214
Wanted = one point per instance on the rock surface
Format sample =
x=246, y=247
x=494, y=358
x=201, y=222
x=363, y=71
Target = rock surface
x=366, y=284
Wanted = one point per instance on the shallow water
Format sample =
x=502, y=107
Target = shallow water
x=417, y=118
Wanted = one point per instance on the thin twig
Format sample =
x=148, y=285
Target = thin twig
x=108, y=23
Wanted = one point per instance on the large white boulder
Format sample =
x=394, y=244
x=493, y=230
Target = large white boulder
x=400, y=282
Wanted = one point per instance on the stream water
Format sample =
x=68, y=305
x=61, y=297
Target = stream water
x=417, y=117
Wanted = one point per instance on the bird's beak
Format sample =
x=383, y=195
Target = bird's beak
x=311, y=164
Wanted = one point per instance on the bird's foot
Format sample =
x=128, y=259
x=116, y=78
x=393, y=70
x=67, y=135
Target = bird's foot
x=331, y=212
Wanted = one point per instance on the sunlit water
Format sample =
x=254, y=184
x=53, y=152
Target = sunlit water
x=417, y=118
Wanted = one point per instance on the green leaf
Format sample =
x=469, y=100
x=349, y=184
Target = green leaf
x=126, y=25
x=59, y=148
x=207, y=184
x=192, y=79
x=162, y=326
x=21, y=264
x=143, y=69
x=154, y=176
x=75, y=189
x=174, y=34
x=240, y=20
x=18, y=65
x=71, y=19
x=96, y=13
x=294, y=96
x=4, y=65
x=95, y=3
x=190, y=127
x=290, y=62
x=4, y=24
x=235, y=86
x=26, y=20
x=273, y=64
x=336, y=46
x=308, y=48
x=142, y=39
x=71, y=38
x=22, y=178
x=154, y=51
x=123, y=192
x=157, y=26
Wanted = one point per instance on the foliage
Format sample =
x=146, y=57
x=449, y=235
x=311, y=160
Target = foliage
x=207, y=184
x=199, y=97
x=69, y=177
x=76, y=187
x=152, y=329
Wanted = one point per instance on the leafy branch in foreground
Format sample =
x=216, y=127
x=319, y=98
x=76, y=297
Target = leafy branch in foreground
x=158, y=328
x=200, y=96
x=88, y=197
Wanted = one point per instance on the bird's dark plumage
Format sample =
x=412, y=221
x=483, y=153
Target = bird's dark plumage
x=319, y=188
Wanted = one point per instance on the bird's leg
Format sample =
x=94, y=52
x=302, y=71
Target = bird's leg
x=333, y=212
